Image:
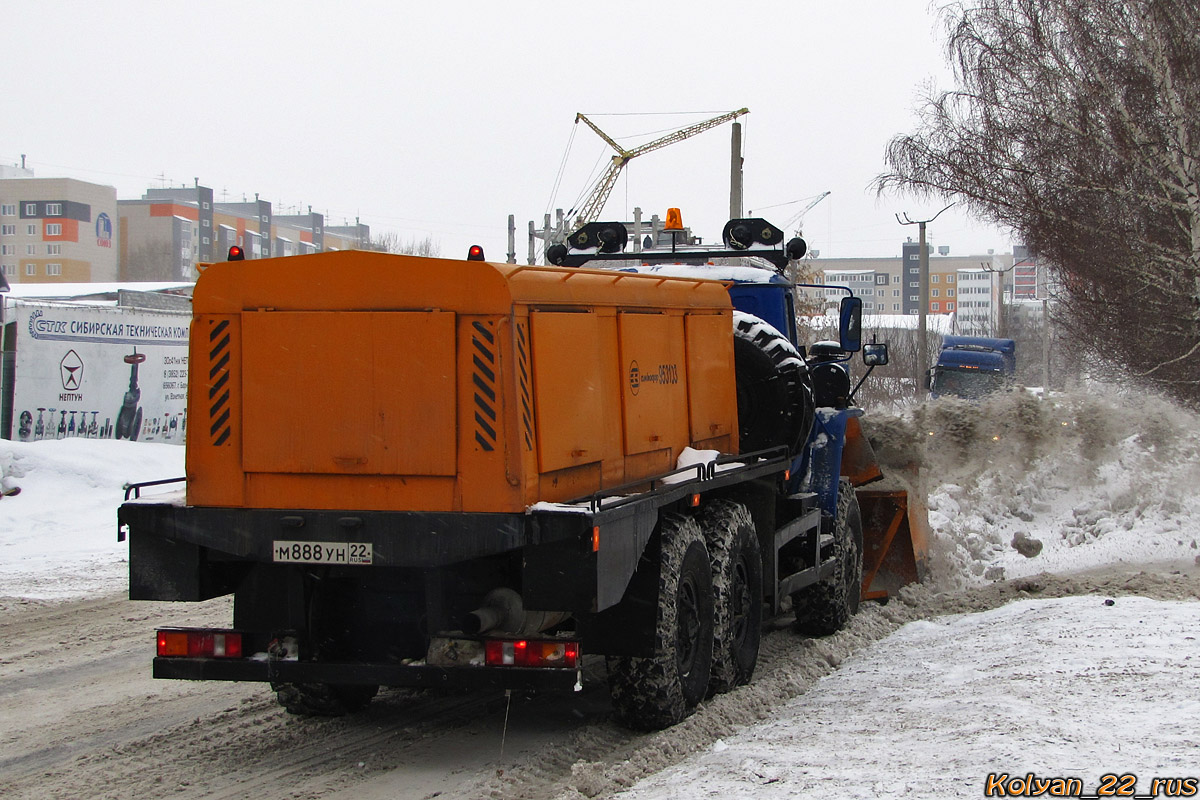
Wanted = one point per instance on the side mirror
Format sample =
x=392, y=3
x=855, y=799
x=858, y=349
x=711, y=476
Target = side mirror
x=850, y=326
x=875, y=355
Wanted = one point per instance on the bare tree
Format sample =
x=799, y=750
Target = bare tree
x=1074, y=122
x=391, y=242
x=152, y=260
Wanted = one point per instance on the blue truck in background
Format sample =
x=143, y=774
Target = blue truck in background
x=973, y=366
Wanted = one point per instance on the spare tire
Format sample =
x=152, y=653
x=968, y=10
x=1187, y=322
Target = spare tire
x=774, y=389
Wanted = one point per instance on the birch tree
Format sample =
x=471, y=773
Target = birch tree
x=1077, y=124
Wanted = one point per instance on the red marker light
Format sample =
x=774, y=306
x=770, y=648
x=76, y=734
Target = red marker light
x=236, y=254
x=475, y=253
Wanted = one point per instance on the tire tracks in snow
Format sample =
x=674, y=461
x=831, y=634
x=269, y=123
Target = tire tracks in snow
x=122, y=735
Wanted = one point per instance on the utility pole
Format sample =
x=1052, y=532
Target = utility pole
x=923, y=311
x=735, y=172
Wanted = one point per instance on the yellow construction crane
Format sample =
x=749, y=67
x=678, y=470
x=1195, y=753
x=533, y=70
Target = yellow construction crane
x=591, y=207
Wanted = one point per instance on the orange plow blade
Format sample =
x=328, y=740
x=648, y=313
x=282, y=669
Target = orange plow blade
x=895, y=541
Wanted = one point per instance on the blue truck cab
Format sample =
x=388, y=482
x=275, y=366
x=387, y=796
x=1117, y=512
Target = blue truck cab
x=973, y=366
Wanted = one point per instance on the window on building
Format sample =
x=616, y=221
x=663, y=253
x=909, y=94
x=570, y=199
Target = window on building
x=53, y=209
x=949, y=293
x=203, y=223
x=8, y=230
x=868, y=292
x=31, y=230
x=880, y=279
x=31, y=269
x=205, y=204
x=31, y=249
x=54, y=249
x=895, y=292
x=912, y=298
x=54, y=269
x=949, y=306
x=54, y=229
x=895, y=279
x=914, y=271
x=933, y=306
x=869, y=306
x=934, y=278
x=895, y=306
x=934, y=292
x=949, y=279
x=205, y=239
x=10, y=269
x=31, y=209
x=913, y=284
x=8, y=249
x=913, y=256
x=8, y=210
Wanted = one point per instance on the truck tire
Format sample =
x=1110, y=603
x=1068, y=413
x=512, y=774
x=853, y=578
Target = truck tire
x=736, y=559
x=323, y=699
x=826, y=606
x=774, y=391
x=656, y=692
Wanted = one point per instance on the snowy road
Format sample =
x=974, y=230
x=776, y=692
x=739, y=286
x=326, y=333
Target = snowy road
x=82, y=718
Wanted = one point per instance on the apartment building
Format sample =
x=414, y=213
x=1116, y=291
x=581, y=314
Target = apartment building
x=167, y=231
x=893, y=285
x=56, y=230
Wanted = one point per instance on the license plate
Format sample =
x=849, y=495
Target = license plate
x=322, y=552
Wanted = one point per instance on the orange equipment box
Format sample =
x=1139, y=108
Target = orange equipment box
x=368, y=381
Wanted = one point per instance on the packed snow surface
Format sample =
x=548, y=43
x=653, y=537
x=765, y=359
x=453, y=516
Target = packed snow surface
x=1017, y=485
x=1069, y=687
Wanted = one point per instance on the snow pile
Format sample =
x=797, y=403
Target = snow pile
x=58, y=537
x=1019, y=484
x=920, y=715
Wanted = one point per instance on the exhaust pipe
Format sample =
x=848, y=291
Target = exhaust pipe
x=504, y=611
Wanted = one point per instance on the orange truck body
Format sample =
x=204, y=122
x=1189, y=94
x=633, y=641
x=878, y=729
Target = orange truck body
x=369, y=381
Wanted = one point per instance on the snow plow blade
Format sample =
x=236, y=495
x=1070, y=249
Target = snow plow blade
x=895, y=541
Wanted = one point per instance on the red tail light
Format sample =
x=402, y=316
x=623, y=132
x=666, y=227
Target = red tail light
x=475, y=253
x=182, y=643
x=236, y=254
x=531, y=653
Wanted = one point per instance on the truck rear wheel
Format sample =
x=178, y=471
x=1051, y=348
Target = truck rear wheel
x=658, y=691
x=323, y=699
x=826, y=606
x=736, y=557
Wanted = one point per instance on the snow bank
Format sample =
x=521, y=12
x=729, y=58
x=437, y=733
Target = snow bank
x=58, y=537
x=1020, y=485
x=919, y=715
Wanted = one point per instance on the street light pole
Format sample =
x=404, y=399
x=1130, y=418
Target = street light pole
x=923, y=311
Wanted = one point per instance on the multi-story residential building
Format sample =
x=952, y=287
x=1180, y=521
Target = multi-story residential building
x=978, y=301
x=1029, y=279
x=56, y=230
x=166, y=232
x=876, y=280
x=895, y=284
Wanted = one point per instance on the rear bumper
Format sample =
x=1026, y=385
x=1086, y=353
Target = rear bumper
x=414, y=676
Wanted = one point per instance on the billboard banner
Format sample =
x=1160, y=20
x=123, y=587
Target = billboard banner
x=100, y=373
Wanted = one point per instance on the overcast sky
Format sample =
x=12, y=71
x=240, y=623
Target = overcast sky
x=441, y=119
